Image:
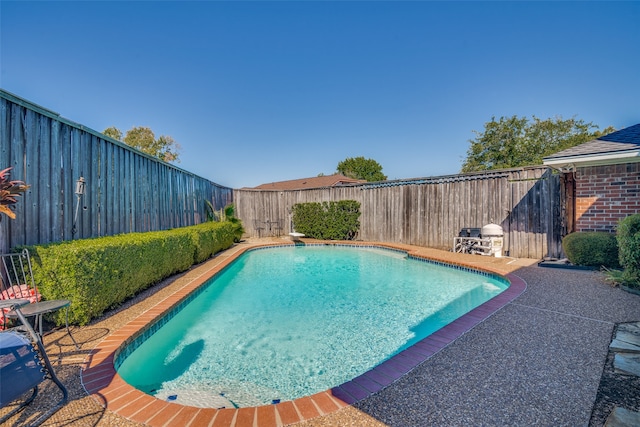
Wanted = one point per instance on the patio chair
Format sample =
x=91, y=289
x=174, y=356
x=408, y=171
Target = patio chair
x=278, y=226
x=17, y=282
x=258, y=226
x=24, y=364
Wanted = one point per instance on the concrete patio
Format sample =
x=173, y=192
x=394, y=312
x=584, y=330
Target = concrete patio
x=537, y=361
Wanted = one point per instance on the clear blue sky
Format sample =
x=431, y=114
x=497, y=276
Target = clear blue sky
x=264, y=91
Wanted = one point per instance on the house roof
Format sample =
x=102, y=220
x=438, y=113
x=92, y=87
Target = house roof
x=622, y=146
x=314, y=182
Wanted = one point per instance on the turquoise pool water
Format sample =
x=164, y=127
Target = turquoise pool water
x=287, y=322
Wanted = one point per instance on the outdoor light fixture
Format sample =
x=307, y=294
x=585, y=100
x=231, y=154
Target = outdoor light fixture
x=80, y=186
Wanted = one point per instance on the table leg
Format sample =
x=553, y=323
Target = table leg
x=66, y=322
x=39, y=320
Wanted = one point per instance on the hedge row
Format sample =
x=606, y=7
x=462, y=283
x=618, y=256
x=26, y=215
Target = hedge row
x=591, y=248
x=328, y=220
x=98, y=274
x=621, y=249
x=629, y=243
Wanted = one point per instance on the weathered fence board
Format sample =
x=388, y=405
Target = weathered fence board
x=126, y=190
x=432, y=211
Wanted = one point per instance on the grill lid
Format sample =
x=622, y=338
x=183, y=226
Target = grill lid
x=492, y=230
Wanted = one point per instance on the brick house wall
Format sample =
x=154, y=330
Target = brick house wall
x=605, y=195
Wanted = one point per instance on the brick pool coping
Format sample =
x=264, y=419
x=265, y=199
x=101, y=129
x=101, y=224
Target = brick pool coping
x=101, y=381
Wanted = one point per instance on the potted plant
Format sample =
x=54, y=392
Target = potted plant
x=9, y=193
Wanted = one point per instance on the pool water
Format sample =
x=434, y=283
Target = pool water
x=282, y=323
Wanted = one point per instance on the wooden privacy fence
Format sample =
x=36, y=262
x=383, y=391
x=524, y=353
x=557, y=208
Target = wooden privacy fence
x=526, y=202
x=126, y=190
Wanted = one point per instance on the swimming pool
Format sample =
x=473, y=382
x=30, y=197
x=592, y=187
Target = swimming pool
x=323, y=321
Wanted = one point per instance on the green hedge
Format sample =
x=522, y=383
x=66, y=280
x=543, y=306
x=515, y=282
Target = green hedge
x=98, y=274
x=328, y=220
x=591, y=248
x=629, y=243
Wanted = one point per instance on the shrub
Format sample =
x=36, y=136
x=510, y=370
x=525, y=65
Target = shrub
x=228, y=213
x=328, y=220
x=628, y=237
x=591, y=248
x=98, y=274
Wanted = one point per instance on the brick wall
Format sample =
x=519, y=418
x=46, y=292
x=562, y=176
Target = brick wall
x=606, y=194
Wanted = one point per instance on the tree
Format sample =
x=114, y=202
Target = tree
x=168, y=149
x=143, y=139
x=113, y=132
x=361, y=168
x=514, y=142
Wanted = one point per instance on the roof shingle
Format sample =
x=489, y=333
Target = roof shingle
x=314, y=182
x=622, y=140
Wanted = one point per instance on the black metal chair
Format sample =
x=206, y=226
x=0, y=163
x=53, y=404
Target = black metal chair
x=277, y=226
x=24, y=365
x=17, y=282
x=258, y=226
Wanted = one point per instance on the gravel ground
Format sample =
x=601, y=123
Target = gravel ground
x=538, y=361
x=541, y=360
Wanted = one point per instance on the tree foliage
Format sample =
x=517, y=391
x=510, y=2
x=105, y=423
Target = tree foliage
x=113, y=132
x=143, y=139
x=361, y=168
x=514, y=141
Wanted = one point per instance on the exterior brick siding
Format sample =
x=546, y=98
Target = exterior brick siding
x=605, y=195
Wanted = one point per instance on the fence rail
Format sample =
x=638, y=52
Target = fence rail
x=526, y=202
x=126, y=190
